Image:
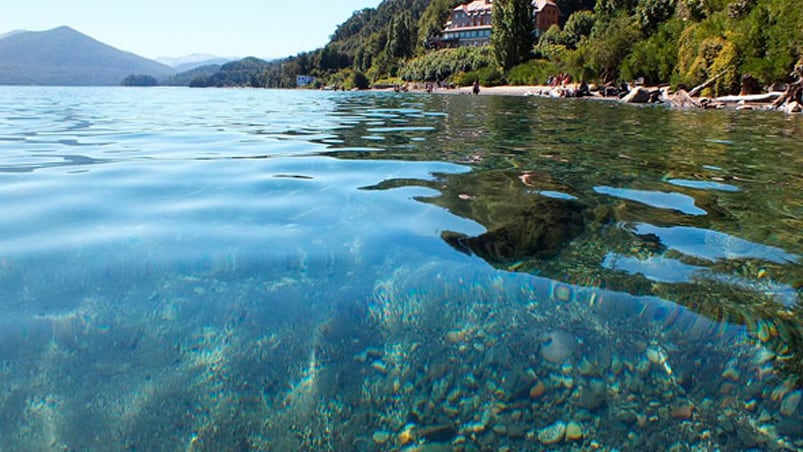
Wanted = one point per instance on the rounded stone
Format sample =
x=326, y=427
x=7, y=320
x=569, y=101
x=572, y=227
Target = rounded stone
x=558, y=346
x=552, y=434
x=574, y=432
x=381, y=437
x=538, y=389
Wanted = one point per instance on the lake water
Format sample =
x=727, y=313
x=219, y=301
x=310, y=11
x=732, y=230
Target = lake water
x=293, y=270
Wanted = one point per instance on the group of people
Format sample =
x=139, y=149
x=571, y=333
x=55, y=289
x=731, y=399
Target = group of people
x=559, y=80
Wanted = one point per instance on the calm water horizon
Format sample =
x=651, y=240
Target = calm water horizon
x=301, y=270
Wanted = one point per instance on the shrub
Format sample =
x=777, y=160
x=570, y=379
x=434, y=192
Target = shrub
x=487, y=76
x=442, y=64
x=533, y=72
x=359, y=80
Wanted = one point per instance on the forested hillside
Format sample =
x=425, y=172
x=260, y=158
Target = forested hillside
x=663, y=41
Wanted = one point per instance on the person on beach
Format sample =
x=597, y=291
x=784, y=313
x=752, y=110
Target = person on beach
x=476, y=88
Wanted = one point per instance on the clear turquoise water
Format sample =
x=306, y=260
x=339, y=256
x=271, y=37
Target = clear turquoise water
x=293, y=270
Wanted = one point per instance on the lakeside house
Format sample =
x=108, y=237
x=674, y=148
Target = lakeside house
x=470, y=23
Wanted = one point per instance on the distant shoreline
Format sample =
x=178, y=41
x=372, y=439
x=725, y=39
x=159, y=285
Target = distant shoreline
x=545, y=91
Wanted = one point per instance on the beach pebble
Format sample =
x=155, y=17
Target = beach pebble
x=682, y=410
x=594, y=395
x=380, y=366
x=552, y=434
x=574, y=432
x=406, y=436
x=537, y=390
x=455, y=336
x=558, y=346
x=381, y=437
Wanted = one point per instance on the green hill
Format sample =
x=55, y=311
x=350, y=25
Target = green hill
x=186, y=77
x=683, y=42
x=248, y=72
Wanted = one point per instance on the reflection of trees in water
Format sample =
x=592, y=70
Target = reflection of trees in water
x=521, y=148
x=568, y=240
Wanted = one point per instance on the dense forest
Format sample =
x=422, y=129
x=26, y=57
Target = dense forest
x=663, y=41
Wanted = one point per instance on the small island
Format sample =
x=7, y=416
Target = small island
x=140, y=80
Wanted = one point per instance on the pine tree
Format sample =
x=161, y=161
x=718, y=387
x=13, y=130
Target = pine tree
x=512, y=35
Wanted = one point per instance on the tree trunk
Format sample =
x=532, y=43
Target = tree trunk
x=696, y=90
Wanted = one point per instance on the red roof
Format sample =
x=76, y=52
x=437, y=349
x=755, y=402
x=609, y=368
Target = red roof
x=485, y=5
x=477, y=6
x=540, y=4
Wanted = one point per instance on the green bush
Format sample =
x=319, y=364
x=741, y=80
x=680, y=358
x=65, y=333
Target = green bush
x=442, y=64
x=490, y=76
x=487, y=76
x=533, y=72
x=359, y=80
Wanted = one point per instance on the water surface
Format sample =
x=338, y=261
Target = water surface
x=294, y=270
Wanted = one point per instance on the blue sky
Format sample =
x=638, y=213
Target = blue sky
x=151, y=28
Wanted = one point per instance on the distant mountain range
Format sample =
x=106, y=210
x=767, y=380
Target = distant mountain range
x=196, y=60
x=10, y=33
x=63, y=56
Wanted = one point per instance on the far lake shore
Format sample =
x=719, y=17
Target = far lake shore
x=662, y=95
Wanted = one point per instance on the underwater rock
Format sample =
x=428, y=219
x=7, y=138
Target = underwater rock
x=437, y=433
x=407, y=435
x=594, y=395
x=587, y=368
x=552, y=434
x=381, y=437
x=627, y=418
x=574, y=432
x=682, y=410
x=537, y=390
x=731, y=371
x=790, y=403
x=455, y=336
x=558, y=346
x=790, y=427
x=538, y=231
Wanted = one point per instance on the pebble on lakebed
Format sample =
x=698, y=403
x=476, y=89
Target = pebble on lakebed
x=574, y=432
x=558, y=346
x=552, y=434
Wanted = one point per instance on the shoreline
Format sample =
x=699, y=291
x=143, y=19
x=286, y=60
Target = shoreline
x=762, y=102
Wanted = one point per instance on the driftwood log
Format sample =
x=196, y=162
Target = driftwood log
x=696, y=90
x=793, y=93
x=750, y=98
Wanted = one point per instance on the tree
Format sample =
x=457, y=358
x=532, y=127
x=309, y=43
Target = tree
x=578, y=25
x=512, y=35
x=609, y=44
x=400, y=36
x=651, y=13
